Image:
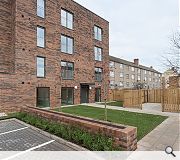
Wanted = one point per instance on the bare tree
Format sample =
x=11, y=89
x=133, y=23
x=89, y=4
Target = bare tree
x=172, y=59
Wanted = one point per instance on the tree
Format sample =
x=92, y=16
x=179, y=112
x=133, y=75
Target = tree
x=172, y=59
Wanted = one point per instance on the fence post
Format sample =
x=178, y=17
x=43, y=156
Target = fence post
x=163, y=94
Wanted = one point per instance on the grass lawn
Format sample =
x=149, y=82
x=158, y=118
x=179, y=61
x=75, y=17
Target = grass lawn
x=116, y=103
x=144, y=122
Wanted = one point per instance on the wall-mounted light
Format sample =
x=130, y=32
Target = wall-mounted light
x=75, y=87
x=90, y=88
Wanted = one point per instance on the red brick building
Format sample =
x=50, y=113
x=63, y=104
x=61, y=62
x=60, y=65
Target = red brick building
x=51, y=53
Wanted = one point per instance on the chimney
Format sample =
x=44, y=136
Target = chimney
x=136, y=62
x=151, y=67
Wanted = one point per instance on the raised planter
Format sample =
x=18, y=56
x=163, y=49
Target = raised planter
x=123, y=136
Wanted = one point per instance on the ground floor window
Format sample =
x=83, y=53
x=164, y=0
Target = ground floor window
x=43, y=97
x=98, y=95
x=67, y=96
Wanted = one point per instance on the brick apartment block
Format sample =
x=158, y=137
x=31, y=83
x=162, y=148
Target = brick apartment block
x=47, y=54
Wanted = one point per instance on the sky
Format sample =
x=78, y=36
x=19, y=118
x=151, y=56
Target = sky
x=138, y=28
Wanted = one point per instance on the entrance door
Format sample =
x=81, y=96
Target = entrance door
x=98, y=95
x=84, y=94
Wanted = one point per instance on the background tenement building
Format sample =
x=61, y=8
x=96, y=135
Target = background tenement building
x=51, y=53
x=125, y=74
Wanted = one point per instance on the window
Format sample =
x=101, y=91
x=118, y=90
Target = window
x=112, y=74
x=111, y=64
x=43, y=97
x=67, y=44
x=150, y=79
x=145, y=79
x=98, y=53
x=67, y=96
x=40, y=37
x=127, y=76
x=111, y=83
x=145, y=72
x=97, y=33
x=132, y=69
x=67, y=70
x=121, y=75
x=66, y=19
x=98, y=74
x=139, y=78
x=121, y=84
x=133, y=77
x=139, y=71
x=40, y=67
x=121, y=66
x=127, y=84
x=41, y=8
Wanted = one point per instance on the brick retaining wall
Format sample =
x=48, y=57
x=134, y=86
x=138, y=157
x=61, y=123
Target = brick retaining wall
x=123, y=136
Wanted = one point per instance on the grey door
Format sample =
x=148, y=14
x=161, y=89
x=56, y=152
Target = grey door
x=84, y=94
x=98, y=95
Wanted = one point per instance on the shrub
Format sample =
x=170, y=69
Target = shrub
x=94, y=142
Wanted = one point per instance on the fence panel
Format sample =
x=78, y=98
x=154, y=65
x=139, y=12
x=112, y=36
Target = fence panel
x=171, y=100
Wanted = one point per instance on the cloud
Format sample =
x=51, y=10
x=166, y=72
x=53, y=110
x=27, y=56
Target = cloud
x=138, y=28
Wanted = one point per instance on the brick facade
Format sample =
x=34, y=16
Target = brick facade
x=123, y=136
x=18, y=23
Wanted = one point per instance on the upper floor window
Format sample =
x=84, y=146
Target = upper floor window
x=145, y=78
x=145, y=72
x=67, y=70
x=111, y=64
x=98, y=53
x=40, y=67
x=111, y=83
x=121, y=66
x=98, y=74
x=121, y=84
x=121, y=75
x=97, y=33
x=41, y=8
x=40, y=37
x=132, y=69
x=133, y=77
x=112, y=74
x=139, y=78
x=66, y=19
x=127, y=76
x=67, y=44
x=139, y=71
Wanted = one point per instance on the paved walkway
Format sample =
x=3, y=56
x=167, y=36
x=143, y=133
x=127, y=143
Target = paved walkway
x=2, y=114
x=166, y=134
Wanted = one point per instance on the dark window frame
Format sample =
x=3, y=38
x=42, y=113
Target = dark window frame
x=97, y=79
x=67, y=88
x=67, y=11
x=98, y=27
x=44, y=67
x=37, y=98
x=44, y=36
x=66, y=78
x=67, y=44
x=44, y=10
x=101, y=53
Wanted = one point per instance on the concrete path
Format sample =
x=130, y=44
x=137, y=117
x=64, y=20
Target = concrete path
x=166, y=134
x=2, y=114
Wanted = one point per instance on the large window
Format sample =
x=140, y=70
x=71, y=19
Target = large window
x=98, y=74
x=66, y=19
x=121, y=75
x=40, y=67
x=43, y=97
x=41, y=8
x=67, y=96
x=111, y=64
x=40, y=37
x=67, y=70
x=67, y=44
x=98, y=53
x=112, y=74
x=97, y=33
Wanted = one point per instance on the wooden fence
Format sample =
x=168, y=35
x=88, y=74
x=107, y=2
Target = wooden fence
x=170, y=98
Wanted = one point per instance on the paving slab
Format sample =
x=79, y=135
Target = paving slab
x=17, y=136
